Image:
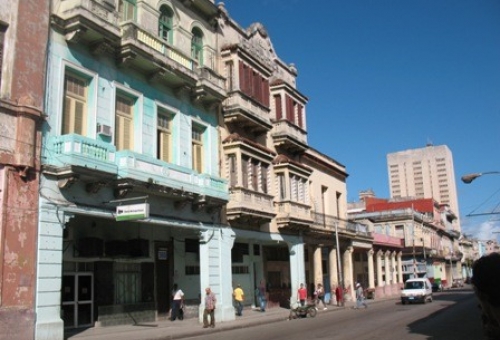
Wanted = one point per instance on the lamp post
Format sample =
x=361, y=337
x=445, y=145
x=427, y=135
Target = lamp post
x=470, y=177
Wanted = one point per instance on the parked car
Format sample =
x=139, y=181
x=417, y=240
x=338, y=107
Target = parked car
x=416, y=290
x=457, y=283
x=437, y=287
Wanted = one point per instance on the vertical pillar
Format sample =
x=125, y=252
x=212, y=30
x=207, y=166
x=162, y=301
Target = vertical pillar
x=348, y=270
x=371, y=273
x=332, y=261
x=318, y=267
x=380, y=281
x=215, y=270
x=297, y=268
x=387, y=265
x=400, y=268
x=393, y=268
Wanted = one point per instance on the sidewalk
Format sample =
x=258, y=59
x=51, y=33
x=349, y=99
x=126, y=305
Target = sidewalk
x=168, y=330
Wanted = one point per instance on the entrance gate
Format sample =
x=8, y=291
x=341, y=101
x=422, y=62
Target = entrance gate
x=77, y=300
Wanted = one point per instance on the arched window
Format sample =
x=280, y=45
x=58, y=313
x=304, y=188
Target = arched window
x=197, y=45
x=165, y=24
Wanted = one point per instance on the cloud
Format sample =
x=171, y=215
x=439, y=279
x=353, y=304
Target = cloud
x=484, y=230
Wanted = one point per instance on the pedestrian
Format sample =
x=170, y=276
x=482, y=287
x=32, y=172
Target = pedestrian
x=360, y=297
x=338, y=295
x=262, y=293
x=177, y=302
x=209, y=311
x=302, y=295
x=319, y=296
x=486, y=283
x=239, y=297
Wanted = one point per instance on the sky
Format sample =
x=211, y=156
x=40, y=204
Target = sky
x=384, y=76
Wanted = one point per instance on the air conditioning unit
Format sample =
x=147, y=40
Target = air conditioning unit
x=104, y=130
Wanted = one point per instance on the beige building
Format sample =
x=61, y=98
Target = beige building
x=424, y=173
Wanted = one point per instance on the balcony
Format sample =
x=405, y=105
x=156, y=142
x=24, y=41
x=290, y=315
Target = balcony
x=247, y=114
x=386, y=240
x=77, y=158
x=289, y=137
x=91, y=22
x=248, y=207
x=96, y=24
x=293, y=215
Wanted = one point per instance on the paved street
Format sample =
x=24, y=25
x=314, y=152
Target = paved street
x=452, y=315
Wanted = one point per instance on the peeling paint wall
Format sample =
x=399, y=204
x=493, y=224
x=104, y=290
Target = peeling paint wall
x=22, y=90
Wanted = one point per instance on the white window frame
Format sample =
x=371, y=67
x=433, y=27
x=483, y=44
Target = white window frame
x=91, y=107
x=137, y=115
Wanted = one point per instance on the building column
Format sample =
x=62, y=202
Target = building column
x=297, y=267
x=393, y=268
x=215, y=270
x=380, y=282
x=387, y=265
x=318, y=267
x=49, y=324
x=348, y=270
x=400, y=267
x=371, y=273
x=332, y=261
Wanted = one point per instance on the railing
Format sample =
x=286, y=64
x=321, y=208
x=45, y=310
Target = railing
x=284, y=127
x=106, y=12
x=74, y=149
x=293, y=210
x=211, y=76
x=131, y=31
x=248, y=105
x=387, y=240
x=78, y=150
x=148, y=169
x=241, y=197
x=328, y=222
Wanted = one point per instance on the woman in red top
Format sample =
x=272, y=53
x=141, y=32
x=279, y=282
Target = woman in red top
x=302, y=295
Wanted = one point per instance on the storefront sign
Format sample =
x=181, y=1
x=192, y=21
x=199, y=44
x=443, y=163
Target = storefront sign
x=132, y=212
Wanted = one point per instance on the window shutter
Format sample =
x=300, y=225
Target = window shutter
x=66, y=124
x=164, y=146
x=79, y=117
x=255, y=174
x=279, y=109
x=232, y=171
x=263, y=178
x=197, y=158
x=244, y=172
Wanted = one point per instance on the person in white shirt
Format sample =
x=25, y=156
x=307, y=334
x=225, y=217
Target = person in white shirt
x=177, y=302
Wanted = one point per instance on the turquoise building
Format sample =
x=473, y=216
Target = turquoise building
x=131, y=191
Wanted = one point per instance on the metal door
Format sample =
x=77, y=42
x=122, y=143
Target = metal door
x=78, y=300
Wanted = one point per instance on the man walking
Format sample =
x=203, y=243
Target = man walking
x=177, y=302
x=210, y=302
x=360, y=297
x=239, y=296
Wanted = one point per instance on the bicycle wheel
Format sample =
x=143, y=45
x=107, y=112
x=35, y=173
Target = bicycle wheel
x=312, y=312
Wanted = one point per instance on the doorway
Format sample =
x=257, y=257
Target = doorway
x=77, y=300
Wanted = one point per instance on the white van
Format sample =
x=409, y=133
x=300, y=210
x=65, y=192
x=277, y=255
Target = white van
x=416, y=290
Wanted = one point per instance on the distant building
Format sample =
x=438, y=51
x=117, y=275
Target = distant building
x=424, y=173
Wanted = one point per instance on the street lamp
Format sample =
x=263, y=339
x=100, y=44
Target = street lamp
x=470, y=177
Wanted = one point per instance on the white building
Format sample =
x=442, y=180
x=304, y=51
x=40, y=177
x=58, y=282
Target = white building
x=424, y=173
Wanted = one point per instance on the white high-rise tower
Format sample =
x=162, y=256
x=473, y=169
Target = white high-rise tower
x=424, y=173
